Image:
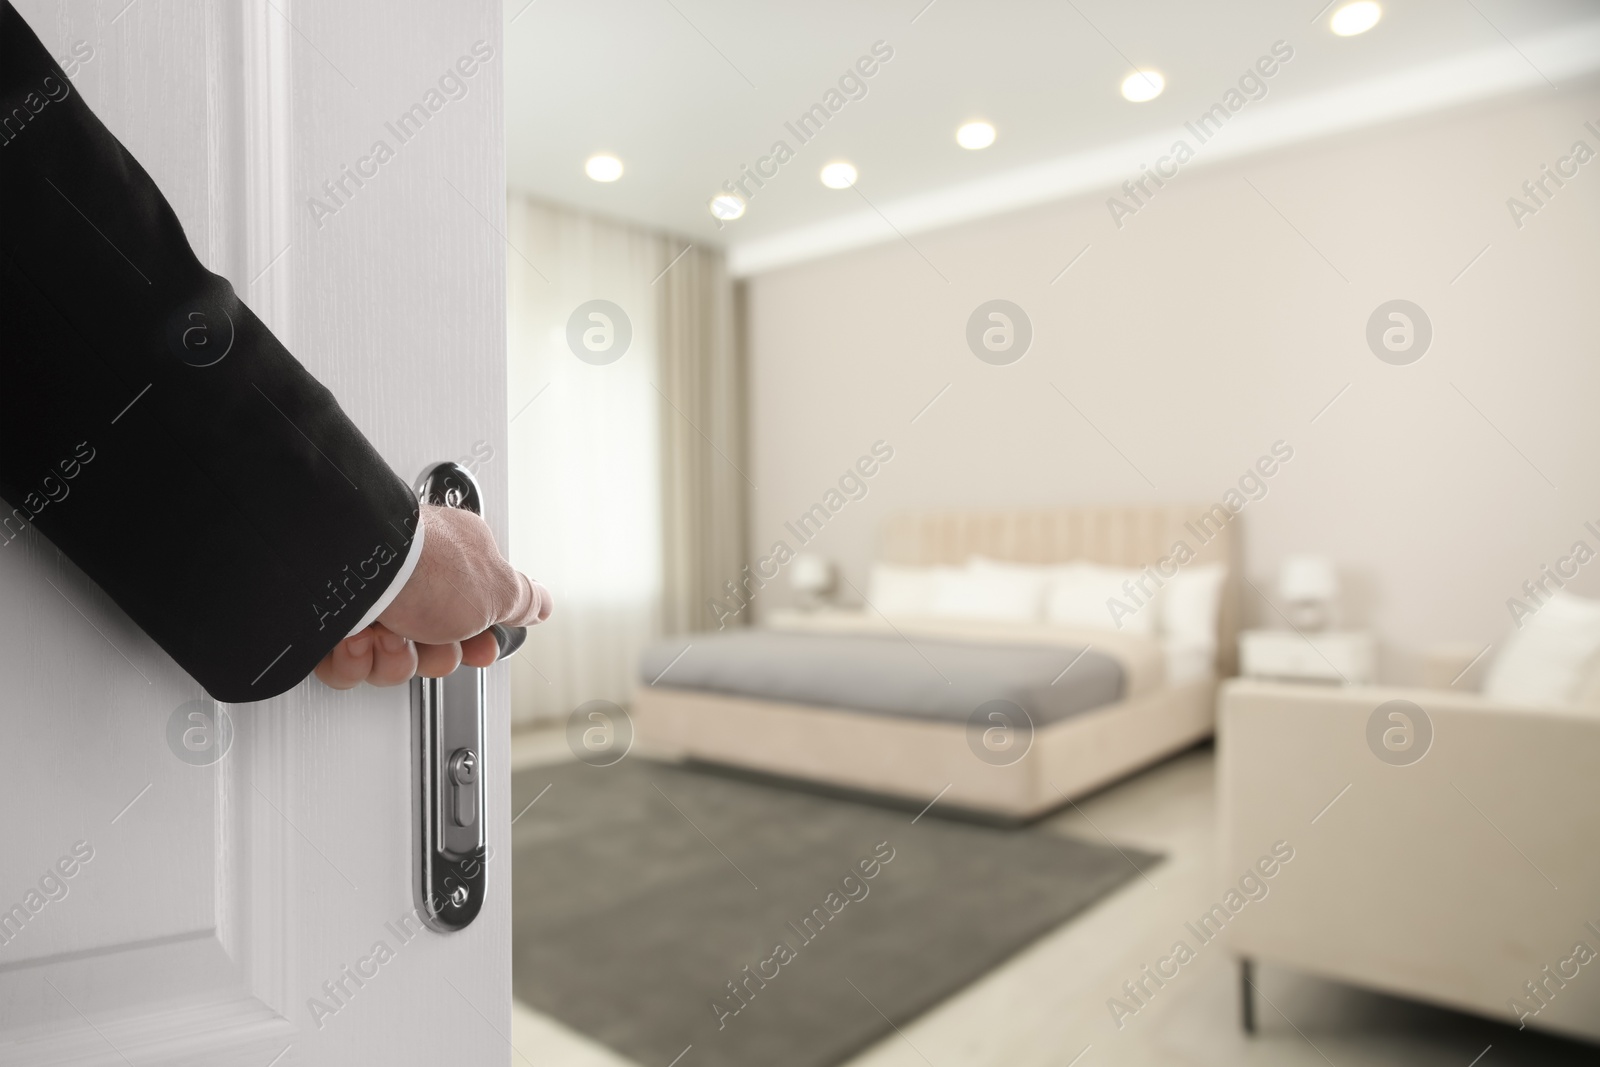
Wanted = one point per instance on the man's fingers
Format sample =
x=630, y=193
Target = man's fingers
x=394, y=657
x=436, y=661
x=480, y=650
x=379, y=656
x=348, y=665
x=531, y=605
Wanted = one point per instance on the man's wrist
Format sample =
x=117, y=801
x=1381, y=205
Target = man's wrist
x=401, y=576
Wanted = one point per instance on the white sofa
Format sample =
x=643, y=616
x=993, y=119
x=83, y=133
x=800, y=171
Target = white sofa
x=1468, y=878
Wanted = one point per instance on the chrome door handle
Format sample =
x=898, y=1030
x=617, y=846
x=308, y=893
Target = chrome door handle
x=448, y=738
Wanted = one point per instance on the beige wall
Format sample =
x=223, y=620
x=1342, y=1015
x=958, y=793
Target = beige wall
x=1206, y=329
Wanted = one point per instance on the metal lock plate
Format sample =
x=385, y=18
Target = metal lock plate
x=448, y=745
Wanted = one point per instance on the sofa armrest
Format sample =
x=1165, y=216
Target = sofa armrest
x=1457, y=878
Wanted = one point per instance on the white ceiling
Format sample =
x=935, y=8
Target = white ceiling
x=685, y=91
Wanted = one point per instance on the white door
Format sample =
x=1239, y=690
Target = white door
x=257, y=909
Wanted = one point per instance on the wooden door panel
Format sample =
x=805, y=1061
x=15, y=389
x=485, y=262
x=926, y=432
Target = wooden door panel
x=224, y=901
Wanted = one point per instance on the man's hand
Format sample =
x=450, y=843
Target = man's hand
x=440, y=620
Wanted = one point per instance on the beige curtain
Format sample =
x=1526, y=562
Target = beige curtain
x=704, y=469
x=625, y=498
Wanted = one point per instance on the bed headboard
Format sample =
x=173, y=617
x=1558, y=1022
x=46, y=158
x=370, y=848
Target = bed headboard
x=1126, y=536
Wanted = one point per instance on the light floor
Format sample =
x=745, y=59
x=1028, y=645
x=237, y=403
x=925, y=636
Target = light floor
x=1046, y=1007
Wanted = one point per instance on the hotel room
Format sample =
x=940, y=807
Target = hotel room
x=891, y=533
x=1072, y=527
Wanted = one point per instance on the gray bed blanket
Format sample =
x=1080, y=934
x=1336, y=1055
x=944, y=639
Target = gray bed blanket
x=918, y=676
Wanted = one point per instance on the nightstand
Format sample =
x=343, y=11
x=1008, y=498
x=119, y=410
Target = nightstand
x=1330, y=658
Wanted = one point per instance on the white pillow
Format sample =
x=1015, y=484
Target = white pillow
x=1190, y=603
x=1550, y=658
x=1081, y=596
x=896, y=590
x=1043, y=573
x=1002, y=594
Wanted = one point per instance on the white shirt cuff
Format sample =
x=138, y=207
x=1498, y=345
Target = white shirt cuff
x=401, y=577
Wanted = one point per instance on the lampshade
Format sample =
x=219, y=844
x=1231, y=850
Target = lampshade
x=1308, y=578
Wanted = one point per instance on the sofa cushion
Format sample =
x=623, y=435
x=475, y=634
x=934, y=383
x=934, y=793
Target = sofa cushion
x=1552, y=658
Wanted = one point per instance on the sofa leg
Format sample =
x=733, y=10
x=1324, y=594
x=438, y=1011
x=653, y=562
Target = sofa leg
x=1247, y=994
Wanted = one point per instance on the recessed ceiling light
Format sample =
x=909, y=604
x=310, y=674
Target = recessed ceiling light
x=1352, y=19
x=1143, y=85
x=727, y=206
x=603, y=168
x=838, y=175
x=975, y=135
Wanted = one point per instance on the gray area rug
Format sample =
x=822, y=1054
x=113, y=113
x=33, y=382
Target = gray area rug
x=642, y=890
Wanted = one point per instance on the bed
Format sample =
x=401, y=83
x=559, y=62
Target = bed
x=1008, y=718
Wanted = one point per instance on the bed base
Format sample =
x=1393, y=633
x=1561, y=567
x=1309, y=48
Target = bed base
x=919, y=759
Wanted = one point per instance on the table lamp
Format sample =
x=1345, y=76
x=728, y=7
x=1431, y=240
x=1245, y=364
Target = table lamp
x=1309, y=585
x=811, y=576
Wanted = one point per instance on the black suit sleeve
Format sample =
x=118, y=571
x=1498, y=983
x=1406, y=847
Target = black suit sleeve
x=153, y=429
